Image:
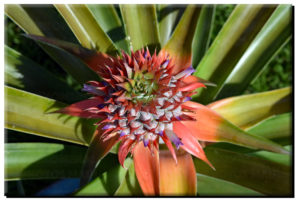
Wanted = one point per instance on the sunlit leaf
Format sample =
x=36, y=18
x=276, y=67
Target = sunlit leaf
x=275, y=34
x=230, y=44
x=179, y=47
x=247, y=110
x=141, y=26
x=30, y=113
x=167, y=17
x=85, y=27
x=278, y=127
x=202, y=33
x=108, y=19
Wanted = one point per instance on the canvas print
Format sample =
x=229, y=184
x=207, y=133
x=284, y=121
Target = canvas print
x=148, y=100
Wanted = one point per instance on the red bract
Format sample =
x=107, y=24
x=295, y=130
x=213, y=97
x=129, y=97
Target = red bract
x=140, y=100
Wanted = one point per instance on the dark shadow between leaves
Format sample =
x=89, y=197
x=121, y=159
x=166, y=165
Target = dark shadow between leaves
x=62, y=164
x=29, y=76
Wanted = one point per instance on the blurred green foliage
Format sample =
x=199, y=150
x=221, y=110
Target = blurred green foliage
x=277, y=74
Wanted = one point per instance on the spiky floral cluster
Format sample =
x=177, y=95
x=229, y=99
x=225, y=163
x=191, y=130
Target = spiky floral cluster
x=140, y=97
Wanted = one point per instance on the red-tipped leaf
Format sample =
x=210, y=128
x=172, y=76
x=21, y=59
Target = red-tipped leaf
x=210, y=126
x=177, y=179
x=179, y=47
x=79, y=109
x=190, y=143
x=124, y=150
x=146, y=167
x=98, y=148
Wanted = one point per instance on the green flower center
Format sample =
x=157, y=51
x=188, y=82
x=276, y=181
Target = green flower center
x=142, y=87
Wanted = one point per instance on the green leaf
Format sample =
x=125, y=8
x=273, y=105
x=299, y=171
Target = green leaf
x=30, y=113
x=22, y=73
x=70, y=56
x=258, y=174
x=273, y=36
x=42, y=161
x=109, y=21
x=210, y=186
x=167, y=16
x=41, y=20
x=98, y=149
x=141, y=26
x=45, y=21
x=179, y=47
x=129, y=185
x=48, y=161
x=275, y=157
x=230, y=44
x=202, y=33
x=276, y=128
x=107, y=183
x=246, y=110
x=86, y=28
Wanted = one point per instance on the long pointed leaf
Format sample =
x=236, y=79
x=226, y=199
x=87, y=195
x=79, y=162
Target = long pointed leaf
x=179, y=47
x=146, y=165
x=167, y=18
x=42, y=161
x=249, y=171
x=230, y=44
x=276, y=33
x=247, y=110
x=48, y=161
x=275, y=157
x=40, y=20
x=210, y=186
x=276, y=128
x=29, y=113
x=86, y=28
x=33, y=20
x=141, y=26
x=70, y=56
x=108, y=19
x=177, y=179
x=202, y=33
x=107, y=183
x=98, y=149
x=22, y=73
x=210, y=126
x=129, y=185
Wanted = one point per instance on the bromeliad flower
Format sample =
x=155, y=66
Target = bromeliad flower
x=144, y=99
x=144, y=103
x=141, y=100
